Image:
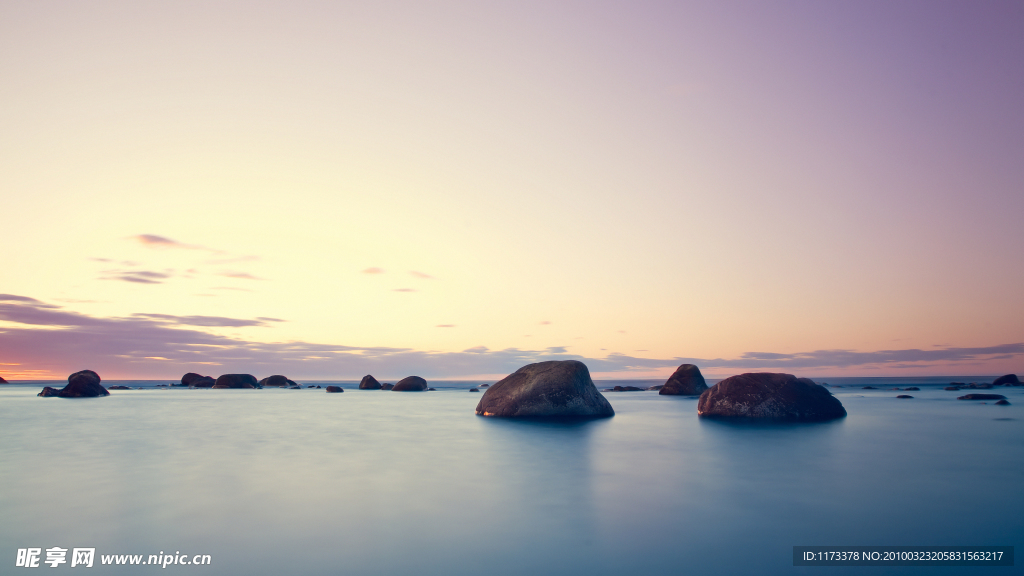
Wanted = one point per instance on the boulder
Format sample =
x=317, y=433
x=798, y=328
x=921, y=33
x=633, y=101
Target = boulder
x=335, y=389
x=277, y=380
x=431, y=389
x=48, y=391
x=769, y=395
x=410, y=384
x=912, y=389
x=369, y=383
x=550, y=389
x=474, y=389
x=84, y=384
x=1003, y=402
x=1007, y=380
x=625, y=389
x=982, y=397
x=118, y=388
x=386, y=386
x=236, y=381
x=685, y=381
x=485, y=386
x=2, y=381
x=869, y=388
x=904, y=396
x=196, y=381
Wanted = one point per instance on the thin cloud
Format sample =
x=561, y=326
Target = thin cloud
x=207, y=321
x=421, y=275
x=154, y=241
x=240, y=275
x=137, y=276
x=373, y=271
x=545, y=322
x=265, y=319
x=405, y=290
x=232, y=260
x=445, y=326
x=230, y=288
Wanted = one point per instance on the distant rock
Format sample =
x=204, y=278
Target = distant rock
x=912, y=389
x=335, y=389
x=317, y=387
x=485, y=386
x=982, y=397
x=656, y=387
x=277, y=380
x=769, y=395
x=295, y=387
x=951, y=388
x=904, y=396
x=957, y=384
x=431, y=389
x=386, y=386
x=369, y=383
x=625, y=389
x=869, y=388
x=2, y=381
x=1007, y=380
x=685, y=381
x=118, y=388
x=83, y=384
x=311, y=386
x=545, y=390
x=1003, y=402
x=983, y=386
x=194, y=380
x=474, y=389
x=236, y=381
x=410, y=384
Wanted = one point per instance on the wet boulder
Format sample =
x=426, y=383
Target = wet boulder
x=411, y=384
x=236, y=381
x=369, y=383
x=545, y=390
x=335, y=389
x=769, y=395
x=277, y=380
x=981, y=397
x=685, y=381
x=194, y=380
x=1007, y=380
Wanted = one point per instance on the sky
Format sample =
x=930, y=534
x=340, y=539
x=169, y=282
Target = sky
x=456, y=189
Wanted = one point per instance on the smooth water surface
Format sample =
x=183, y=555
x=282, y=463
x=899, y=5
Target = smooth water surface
x=367, y=482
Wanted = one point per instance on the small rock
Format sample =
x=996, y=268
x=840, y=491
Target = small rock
x=310, y=386
x=656, y=387
x=474, y=389
x=951, y=388
x=484, y=385
x=1003, y=402
x=982, y=397
x=869, y=388
x=317, y=387
x=904, y=396
x=335, y=389
x=386, y=386
x=295, y=387
x=431, y=389
x=48, y=391
x=626, y=389
x=912, y=389
x=119, y=388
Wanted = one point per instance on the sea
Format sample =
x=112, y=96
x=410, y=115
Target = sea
x=365, y=482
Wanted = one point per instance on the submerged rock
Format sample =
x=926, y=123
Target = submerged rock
x=1003, y=402
x=982, y=397
x=1007, y=380
x=685, y=381
x=624, y=389
x=544, y=390
x=236, y=381
x=951, y=388
x=369, y=383
x=335, y=389
x=386, y=386
x=485, y=386
x=769, y=395
x=410, y=384
x=912, y=389
x=869, y=388
x=196, y=381
x=474, y=389
x=904, y=396
x=119, y=388
x=277, y=380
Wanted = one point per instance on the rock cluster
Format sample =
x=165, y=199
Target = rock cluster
x=194, y=380
x=83, y=384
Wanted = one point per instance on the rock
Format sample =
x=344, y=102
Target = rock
x=626, y=389
x=317, y=387
x=310, y=386
x=869, y=388
x=386, y=386
x=48, y=391
x=485, y=386
x=951, y=388
x=410, y=384
x=768, y=395
x=194, y=380
x=1003, y=402
x=685, y=381
x=236, y=381
x=295, y=387
x=957, y=384
x=118, y=388
x=277, y=380
x=546, y=390
x=982, y=397
x=1007, y=380
x=369, y=383
x=474, y=389
x=2, y=381
x=431, y=389
x=84, y=384
x=656, y=387
x=912, y=389
x=335, y=389
x=904, y=396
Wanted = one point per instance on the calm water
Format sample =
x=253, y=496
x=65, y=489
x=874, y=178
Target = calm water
x=368, y=482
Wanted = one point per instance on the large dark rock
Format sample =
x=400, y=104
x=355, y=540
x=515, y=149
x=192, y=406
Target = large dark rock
x=194, y=380
x=1008, y=380
x=410, y=384
x=685, y=381
x=277, y=380
x=545, y=390
x=236, y=381
x=369, y=383
x=982, y=397
x=335, y=389
x=769, y=395
x=2, y=381
x=84, y=384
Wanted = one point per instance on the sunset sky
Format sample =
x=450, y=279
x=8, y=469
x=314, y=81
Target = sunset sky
x=455, y=189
